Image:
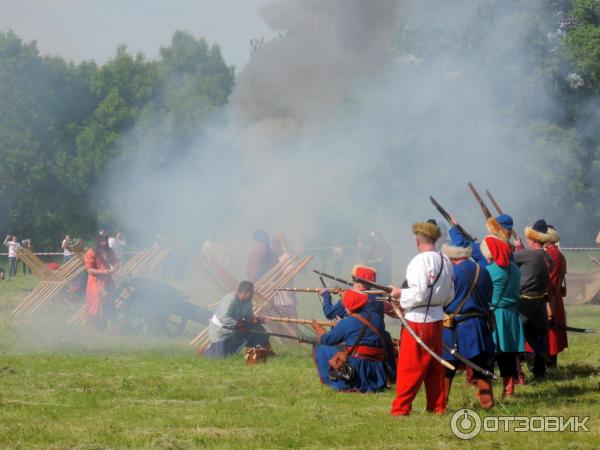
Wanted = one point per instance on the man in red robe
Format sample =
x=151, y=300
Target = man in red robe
x=557, y=335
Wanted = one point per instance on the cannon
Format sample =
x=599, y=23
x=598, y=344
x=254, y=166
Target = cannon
x=154, y=308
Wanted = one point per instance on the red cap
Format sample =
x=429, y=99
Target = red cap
x=497, y=249
x=364, y=272
x=354, y=300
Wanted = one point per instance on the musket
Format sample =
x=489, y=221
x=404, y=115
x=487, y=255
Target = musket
x=571, y=329
x=404, y=322
x=300, y=338
x=331, y=290
x=331, y=277
x=299, y=321
x=448, y=218
x=484, y=208
x=497, y=206
x=469, y=363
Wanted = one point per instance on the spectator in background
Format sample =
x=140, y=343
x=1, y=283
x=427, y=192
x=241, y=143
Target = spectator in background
x=262, y=258
x=26, y=243
x=67, y=253
x=118, y=244
x=13, y=252
x=598, y=239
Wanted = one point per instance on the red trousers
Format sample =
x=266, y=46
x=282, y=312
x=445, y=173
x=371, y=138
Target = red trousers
x=416, y=366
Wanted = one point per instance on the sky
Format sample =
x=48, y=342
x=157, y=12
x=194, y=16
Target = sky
x=92, y=29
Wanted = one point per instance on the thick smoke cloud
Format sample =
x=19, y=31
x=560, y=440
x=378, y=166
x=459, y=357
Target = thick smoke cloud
x=339, y=126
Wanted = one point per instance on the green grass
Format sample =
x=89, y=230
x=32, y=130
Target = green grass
x=66, y=388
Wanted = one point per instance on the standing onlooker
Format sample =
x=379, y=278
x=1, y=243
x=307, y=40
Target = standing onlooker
x=67, y=253
x=13, y=252
x=26, y=243
x=118, y=245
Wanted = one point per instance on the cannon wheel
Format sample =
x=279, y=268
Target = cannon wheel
x=174, y=326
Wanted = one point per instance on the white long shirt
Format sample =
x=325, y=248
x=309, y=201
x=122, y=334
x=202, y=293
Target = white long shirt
x=420, y=275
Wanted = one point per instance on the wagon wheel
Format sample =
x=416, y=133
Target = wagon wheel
x=174, y=325
x=139, y=325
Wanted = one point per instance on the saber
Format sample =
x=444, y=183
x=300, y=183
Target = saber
x=484, y=208
x=448, y=218
x=299, y=321
x=497, y=206
x=331, y=277
x=469, y=363
x=404, y=322
x=572, y=329
x=300, y=338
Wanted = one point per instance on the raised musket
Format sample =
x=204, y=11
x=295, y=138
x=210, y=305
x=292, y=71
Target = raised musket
x=449, y=219
x=404, y=322
x=484, y=208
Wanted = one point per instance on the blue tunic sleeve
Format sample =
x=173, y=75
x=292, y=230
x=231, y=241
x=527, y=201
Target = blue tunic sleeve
x=457, y=236
x=330, y=310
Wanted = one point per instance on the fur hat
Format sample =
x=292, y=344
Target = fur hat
x=496, y=250
x=429, y=229
x=553, y=235
x=459, y=247
x=538, y=232
x=354, y=300
x=500, y=226
x=364, y=272
x=456, y=252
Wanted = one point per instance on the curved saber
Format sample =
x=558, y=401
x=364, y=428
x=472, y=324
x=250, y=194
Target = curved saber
x=469, y=363
x=417, y=338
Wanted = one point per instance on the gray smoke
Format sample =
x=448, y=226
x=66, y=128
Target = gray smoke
x=354, y=114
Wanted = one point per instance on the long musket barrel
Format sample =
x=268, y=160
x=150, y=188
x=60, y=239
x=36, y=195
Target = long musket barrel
x=484, y=208
x=497, y=206
x=331, y=290
x=405, y=324
x=331, y=277
x=300, y=338
x=572, y=329
x=448, y=218
x=299, y=321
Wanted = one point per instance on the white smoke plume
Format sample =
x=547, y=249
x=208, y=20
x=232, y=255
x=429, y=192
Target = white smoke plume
x=344, y=124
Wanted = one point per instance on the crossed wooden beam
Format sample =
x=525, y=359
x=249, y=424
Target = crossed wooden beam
x=264, y=289
x=53, y=285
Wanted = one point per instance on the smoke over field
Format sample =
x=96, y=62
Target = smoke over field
x=356, y=112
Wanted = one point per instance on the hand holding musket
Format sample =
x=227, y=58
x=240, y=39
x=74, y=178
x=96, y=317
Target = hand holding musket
x=450, y=219
x=484, y=208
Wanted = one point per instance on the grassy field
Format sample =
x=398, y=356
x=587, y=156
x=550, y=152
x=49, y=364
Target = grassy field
x=66, y=388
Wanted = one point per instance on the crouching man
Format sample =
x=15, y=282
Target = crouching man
x=233, y=325
x=359, y=364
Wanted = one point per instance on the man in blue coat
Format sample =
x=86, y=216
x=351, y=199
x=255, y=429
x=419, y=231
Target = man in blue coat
x=360, y=336
x=467, y=317
x=338, y=311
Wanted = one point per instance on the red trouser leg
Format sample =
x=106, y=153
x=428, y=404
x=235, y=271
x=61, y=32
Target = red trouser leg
x=414, y=366
x=434, y=380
